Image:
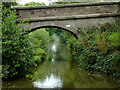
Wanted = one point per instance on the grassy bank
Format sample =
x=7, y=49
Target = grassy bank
x=98, y=49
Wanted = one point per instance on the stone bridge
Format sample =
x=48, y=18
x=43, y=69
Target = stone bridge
x=70, y=17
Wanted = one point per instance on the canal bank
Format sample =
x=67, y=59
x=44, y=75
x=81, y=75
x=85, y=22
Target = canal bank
x=59, y=71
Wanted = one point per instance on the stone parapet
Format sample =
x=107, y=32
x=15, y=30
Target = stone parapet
x=66, y=5
x=72, y=17
x=67, y=10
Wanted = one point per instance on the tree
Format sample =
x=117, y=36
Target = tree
x=9, y=4
x=16, y=50
x=61, y=33
x=34, y=4
x=39, y=38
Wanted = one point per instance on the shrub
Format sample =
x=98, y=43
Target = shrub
x=39, y=41
x=17, y=52
x=98, y=49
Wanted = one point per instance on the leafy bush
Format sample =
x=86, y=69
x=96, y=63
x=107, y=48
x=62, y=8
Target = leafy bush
x=114, y=38
x=39, y=41
x=17, y=52
x=39, y=55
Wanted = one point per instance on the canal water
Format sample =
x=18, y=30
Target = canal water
x=60, y=71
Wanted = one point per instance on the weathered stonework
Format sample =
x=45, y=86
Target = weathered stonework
x=70, y=17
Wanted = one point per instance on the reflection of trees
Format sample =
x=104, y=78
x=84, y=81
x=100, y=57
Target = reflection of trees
x=56, y=68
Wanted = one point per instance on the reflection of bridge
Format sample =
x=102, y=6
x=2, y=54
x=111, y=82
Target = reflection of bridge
x=70, y=17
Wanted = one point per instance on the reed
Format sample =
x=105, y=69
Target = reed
x=83, y=43
x=104, y=42
x=97, y=42
x=101, y=47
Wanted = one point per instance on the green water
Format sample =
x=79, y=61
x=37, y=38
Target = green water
x=60, y=71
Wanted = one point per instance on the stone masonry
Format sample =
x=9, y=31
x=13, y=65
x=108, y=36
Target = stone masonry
x=70, y=17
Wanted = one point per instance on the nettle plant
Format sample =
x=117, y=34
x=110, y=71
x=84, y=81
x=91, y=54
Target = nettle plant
x=17, y=56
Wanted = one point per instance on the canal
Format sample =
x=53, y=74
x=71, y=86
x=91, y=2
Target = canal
x=60, y=71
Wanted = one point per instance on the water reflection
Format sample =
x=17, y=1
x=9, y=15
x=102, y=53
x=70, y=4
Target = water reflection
x=59, y=72
x=52, y=60
x=53, y=49
x=50, y=82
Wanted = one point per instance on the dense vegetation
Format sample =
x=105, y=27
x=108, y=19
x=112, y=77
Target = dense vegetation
x=21, y=51
x=8, y=4
x=39, y=41
x=16, y=51
x=59, y=32
x=98, y=49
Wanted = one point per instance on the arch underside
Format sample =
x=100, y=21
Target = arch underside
x=33, y=29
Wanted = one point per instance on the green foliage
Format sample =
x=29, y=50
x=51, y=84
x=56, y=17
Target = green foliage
x=17, y=52
x=39, y=41
x=114, y=38
x=8, y=4
x=34, y=4
x=70, y=43
x=39, y=55
x=6, y=7
x=98, y=49
x=38, y=51
x=61, y=33
x=64, y=36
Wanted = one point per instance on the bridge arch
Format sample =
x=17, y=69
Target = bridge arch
x=39, y=27
x=70, y=17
